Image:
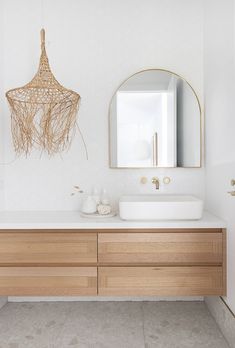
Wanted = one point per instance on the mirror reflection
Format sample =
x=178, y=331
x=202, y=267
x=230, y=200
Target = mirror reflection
x=155, y=121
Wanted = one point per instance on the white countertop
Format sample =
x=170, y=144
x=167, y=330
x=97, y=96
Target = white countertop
x=73, y=220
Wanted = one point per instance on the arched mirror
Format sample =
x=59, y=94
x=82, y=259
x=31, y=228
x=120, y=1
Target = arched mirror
x=155, y=121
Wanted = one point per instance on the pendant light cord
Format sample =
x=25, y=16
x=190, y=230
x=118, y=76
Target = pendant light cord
x=42, y=14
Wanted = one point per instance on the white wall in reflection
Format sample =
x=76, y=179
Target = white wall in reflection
x=146, y=128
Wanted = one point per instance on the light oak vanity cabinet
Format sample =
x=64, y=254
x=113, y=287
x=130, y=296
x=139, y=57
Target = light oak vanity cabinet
x=48, y=262
x=124, y=262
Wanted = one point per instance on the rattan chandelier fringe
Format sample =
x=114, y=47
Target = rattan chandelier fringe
x=43, y=112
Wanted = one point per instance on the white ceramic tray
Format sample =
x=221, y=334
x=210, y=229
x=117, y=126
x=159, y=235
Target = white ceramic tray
x=97, y=216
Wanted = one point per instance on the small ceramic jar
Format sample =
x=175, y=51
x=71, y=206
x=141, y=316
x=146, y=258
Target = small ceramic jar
x=89, y=205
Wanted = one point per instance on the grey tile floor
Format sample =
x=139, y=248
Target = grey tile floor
x=108, y=325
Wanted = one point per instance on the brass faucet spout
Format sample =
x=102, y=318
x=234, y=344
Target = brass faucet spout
x=156, y=182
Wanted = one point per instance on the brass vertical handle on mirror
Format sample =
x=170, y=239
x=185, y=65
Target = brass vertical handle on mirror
x=155, y=150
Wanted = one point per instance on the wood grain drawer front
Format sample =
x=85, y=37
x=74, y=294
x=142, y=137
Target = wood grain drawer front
x=162, y=281
x=42, y=248
x=58, y=281
x=160, y=248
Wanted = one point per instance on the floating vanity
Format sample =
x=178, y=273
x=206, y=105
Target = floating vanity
x=59, y=253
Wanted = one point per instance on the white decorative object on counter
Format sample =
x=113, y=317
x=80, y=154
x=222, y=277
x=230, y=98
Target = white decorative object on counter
x=89, y=205
x=104, y=197
x=104, y=209
x=95, y=195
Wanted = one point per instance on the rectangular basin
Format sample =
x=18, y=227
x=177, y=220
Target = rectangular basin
x=160, y=207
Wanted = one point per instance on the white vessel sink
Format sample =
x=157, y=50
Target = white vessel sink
x=160, y=207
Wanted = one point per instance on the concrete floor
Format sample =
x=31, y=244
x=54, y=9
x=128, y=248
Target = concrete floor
x=108, y=325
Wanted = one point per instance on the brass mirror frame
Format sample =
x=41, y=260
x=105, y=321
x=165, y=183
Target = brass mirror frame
x=201, y=121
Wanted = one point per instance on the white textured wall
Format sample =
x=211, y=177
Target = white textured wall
x=220, y=121
x=2, y=166
x=93, y=46
x=3, y=300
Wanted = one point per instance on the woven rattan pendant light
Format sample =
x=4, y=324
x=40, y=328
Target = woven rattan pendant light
x=43, y=113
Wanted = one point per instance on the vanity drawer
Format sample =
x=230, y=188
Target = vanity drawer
x=160, y=281
x=57, y=281
x=47, y=248
x=160, y=248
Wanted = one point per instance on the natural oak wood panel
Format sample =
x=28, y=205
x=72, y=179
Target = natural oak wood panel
x=160, y=248
x=41, y=248
x=181, y=260
x=163, y=281
x=46, y=281
x=225, y=261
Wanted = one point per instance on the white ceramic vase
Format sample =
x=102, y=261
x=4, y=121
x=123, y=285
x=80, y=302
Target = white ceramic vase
x=89, y=205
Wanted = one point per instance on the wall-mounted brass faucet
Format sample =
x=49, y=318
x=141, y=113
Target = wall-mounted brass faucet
x=156, y=182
